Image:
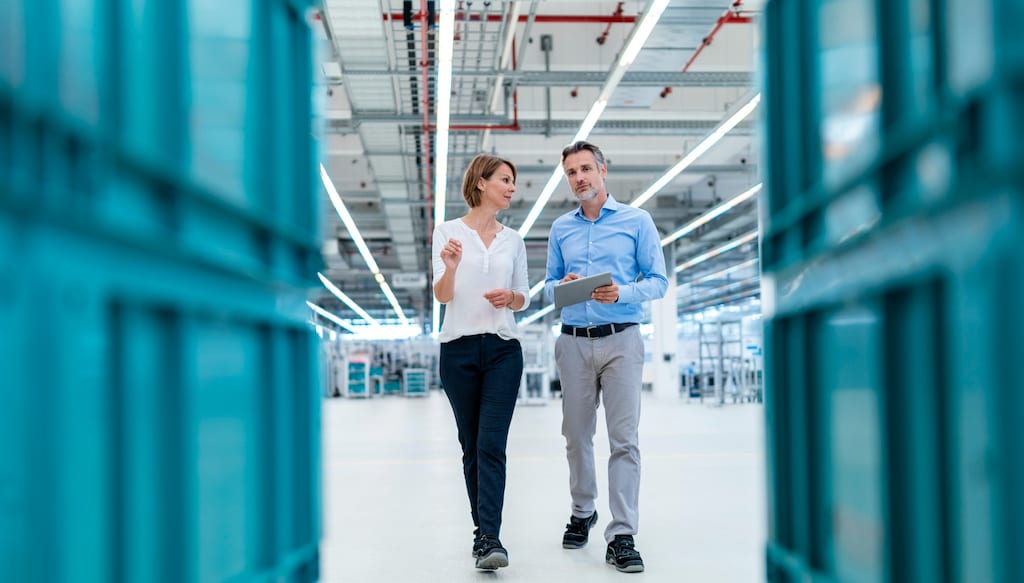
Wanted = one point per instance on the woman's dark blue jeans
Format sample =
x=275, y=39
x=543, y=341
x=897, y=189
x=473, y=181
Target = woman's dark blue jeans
x=481, y=374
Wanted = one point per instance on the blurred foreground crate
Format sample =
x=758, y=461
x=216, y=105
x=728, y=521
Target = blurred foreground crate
x=893, y=254
x=159, y=406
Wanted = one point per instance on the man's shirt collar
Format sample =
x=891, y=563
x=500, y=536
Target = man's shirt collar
x=610, y=205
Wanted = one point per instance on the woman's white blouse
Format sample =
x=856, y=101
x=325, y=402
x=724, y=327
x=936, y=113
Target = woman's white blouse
x=481, y=269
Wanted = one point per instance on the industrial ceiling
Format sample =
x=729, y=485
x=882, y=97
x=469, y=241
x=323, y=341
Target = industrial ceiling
x=524, y=76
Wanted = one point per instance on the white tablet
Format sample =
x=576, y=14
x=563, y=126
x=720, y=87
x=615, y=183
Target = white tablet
x=579, y=290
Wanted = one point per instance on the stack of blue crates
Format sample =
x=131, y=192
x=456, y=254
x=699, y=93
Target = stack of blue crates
x=893, y=258
x=358, y=379
x=159, y=413
x=415, y=382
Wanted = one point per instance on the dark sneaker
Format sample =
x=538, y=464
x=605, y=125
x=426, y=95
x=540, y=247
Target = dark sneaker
x=577, y=531
x=624, y=555
x=490, y=554
x=476, y=541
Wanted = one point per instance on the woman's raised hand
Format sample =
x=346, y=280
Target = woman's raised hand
x=451, y=253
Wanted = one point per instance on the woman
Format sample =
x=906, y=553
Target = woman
x=480, y=274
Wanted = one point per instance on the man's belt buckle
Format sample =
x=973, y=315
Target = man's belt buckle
x=589, y=328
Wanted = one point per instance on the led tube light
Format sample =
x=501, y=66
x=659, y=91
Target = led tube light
x=638, y=37
x=347, y=300
x=712, y=214
x=357, y=237
x=331, y=317
x=445, y=52
x=703, y=146
x=715, y=252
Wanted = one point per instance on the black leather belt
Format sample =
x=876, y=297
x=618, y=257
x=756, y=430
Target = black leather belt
x=596, y=331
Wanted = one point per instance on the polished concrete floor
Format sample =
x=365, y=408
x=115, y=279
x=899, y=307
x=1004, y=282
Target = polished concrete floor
x=395, y=507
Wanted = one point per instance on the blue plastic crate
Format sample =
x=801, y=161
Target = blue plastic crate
x=893, y=276
x=159, y=416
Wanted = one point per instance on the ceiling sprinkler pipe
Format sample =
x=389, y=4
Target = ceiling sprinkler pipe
x=732, y=15
x=604, y=35
x=425, y=26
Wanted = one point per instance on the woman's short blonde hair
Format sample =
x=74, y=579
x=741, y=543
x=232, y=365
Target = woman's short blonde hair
x=483, y=166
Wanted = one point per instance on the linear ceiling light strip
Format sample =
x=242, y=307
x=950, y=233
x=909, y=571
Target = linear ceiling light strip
x=716, y=275
x=750, y=236
x=637, y=39
x=357, y=237
x=445, y=53
x=536, y=288
x=753, y=293
x=537, y=315
x=347, y=300
x=712, y=214
x=331, y=317
x=542, y=201
x=703, y=146
x=346, y=219
x=442, y=121
x=391, y=298
x=722, y=290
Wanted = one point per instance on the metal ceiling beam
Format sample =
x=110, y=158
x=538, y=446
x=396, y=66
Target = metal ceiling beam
x=590, y=78
x=653, y=170
x=466, y=16
x=677, y=127
x=751, y=291
x=523, y=170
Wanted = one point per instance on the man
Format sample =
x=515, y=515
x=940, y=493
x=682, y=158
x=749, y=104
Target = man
x=600, y=353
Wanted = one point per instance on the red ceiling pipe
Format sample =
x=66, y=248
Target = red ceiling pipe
x=457, y=34
x=549, y=18
x=428, y=195
x=604, y=35
x=732, y=15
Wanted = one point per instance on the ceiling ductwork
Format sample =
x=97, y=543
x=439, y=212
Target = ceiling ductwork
x=514, y=99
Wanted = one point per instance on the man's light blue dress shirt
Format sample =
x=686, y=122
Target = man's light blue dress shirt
x=624, y=241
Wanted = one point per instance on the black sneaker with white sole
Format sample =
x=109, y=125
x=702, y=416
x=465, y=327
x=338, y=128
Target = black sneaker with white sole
x=623, y=554
x=490, y=555
x=577, y=531
x=476, y=541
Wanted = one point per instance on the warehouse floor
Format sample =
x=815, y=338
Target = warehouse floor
x=395, y=507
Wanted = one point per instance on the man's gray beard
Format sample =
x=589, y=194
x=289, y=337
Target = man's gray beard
x=587, y=195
